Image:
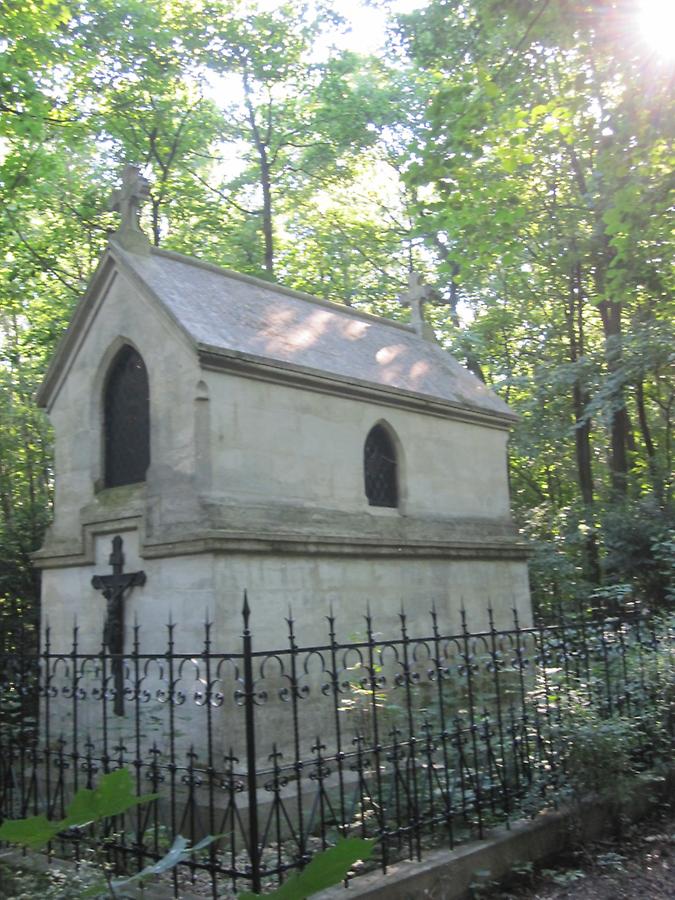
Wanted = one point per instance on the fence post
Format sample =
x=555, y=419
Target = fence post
x=251, y=772
x=44, y=712
x=473, y=728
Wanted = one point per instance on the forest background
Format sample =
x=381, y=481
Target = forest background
x=518, y=153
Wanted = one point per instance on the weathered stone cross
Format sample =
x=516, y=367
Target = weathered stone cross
x=127, y=201
x=416, y=296
x=113, y=588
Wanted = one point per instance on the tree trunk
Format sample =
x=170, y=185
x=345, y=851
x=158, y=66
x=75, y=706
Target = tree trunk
x=268, y=236
x=610, y=313
x=582, y=429
x=580, y=396
x=472, y=361
x=156, y=231
x=261, y=142
x=645, y=430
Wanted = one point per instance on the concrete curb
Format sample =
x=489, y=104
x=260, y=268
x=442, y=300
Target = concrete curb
x=448, y=874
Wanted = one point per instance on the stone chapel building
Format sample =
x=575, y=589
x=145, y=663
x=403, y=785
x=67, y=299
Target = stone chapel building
x=238, y=435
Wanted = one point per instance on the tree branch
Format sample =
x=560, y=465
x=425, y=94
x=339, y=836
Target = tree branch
x=45, y=265
x=223, y=196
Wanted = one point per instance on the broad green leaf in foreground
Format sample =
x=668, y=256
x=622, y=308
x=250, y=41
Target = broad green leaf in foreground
x=325, y=870
x=33, y=832
x=114, y=795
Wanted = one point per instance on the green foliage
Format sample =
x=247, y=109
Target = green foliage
x=663, y=552
x=114, y=795
x=599, y=756
x=324, y=870
x=612, y=752
x=542, y=166
x=33, y=832
x=640, y=558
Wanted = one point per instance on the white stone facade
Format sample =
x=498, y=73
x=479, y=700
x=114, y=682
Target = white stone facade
x=256, y=483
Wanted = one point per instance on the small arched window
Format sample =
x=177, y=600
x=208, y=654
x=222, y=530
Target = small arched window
x=380, y=468
x=126, y=419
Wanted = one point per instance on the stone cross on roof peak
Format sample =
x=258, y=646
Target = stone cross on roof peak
x=127, y=201
x=415, y=297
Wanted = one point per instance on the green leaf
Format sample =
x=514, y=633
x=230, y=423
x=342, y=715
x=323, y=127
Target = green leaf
x=33, y=832
x=613, y=220
x=325, y=870
x=115, y=794
x=538, y=111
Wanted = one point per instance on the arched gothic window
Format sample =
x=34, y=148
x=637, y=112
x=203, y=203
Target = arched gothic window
x=126, y=426
x=379, y=466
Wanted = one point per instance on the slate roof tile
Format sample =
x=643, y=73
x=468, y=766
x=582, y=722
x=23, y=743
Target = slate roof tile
x=225, y=311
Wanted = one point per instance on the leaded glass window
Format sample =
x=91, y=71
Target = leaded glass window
x=126, y=420
x=379, y=463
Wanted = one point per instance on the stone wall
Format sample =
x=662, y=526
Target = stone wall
x=187, y=589
x=276, y=444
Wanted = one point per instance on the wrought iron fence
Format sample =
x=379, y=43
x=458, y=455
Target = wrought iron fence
x=415, y=740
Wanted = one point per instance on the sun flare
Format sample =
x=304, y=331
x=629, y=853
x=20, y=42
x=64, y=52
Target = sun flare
x=656, y=20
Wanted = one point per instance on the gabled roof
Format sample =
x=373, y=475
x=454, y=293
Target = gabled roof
x=238, y=322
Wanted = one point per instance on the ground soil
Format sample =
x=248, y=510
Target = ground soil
x=639, y=864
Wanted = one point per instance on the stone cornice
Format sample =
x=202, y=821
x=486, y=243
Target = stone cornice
x=338, y=546
x=52, y=557
x=215, y=526
x=261, y=369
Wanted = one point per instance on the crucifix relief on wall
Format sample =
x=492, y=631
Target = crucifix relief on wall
x=113, y=588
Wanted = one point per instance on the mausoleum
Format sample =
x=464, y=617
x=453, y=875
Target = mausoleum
x=217, y=433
